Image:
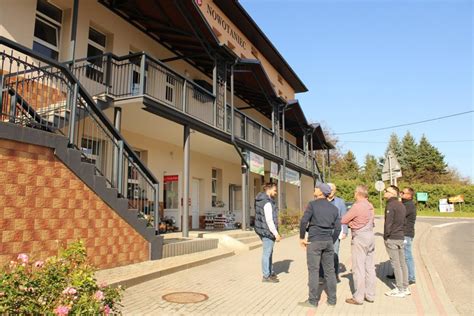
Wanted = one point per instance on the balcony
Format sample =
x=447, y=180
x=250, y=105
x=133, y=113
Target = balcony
x=139, y=75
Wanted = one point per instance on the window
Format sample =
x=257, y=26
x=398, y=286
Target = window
x=95, y=47
x=47, y=29
x=170, y=84
x=216, y=181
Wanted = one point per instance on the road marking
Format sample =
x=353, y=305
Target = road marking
x=449, y=224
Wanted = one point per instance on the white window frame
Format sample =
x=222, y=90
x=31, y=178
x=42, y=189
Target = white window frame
x=53, y=23
x=95, y=44
x=95, y=69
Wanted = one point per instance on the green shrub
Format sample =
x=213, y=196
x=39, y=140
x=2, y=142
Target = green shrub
x=60, y=285
x=345, y=189
x=289, y=221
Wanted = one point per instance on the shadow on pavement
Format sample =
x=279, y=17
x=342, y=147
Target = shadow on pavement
x=351, y=281
x=381, y=271
x=282, y=266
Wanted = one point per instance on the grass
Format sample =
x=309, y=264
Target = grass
x=436, y=213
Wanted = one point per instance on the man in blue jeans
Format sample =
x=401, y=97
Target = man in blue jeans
x=410, y=219
x=322, y=221
x=266, y=226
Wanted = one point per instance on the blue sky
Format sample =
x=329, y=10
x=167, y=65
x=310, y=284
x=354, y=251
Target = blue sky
x=370, y=64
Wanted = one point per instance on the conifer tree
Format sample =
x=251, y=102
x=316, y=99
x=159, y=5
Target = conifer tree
x=408, y=157
x=371, y=170
x=394, y=146
x=350, y=167
x=430, y=166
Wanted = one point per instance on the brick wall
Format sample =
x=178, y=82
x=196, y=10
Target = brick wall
x=43, y=205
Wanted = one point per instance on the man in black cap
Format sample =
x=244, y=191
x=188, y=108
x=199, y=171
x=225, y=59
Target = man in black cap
x=322, y=221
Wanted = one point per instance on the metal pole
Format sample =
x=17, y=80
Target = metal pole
x=285, y=155
x=214, y=91
x=75, y=13
x=232, y=136
x=72, y=115
x=186, y=181
x=329, y=167
x=142, y=74
x=279, y=187
x=301, y=195
x=120, y=168
x=156, y=207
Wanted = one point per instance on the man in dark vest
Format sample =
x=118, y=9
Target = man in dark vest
x=266, y=226
x=321, y=220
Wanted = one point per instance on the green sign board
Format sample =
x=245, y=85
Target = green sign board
x=422, y=196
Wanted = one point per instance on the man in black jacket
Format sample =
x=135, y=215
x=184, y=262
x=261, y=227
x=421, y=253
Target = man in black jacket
x=322, y=221
x=410, y=218
x=266, y=226
x=394, y=234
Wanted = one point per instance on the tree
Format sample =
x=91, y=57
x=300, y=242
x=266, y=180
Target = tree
x=371, y=170
x=409, y=156
x=394, y=146
x=350, y=167
x=430, y=167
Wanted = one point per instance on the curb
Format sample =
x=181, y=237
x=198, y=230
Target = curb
x=447, y=307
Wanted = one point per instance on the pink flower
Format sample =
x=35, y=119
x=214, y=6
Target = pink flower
x=106, y=310
x=69, y=291
x=62, y=310
x=39, y=264
x=99, y=295
x=23, y=257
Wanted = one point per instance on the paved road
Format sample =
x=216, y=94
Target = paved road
x=234, y=287
x=451, y=250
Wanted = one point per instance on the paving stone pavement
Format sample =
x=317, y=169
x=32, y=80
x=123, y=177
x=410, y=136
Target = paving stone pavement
x=234, y=286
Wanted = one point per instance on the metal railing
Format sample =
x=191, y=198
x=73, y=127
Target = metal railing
x=139, y=75
x=36, y=91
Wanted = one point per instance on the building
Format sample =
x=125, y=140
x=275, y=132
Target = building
x=143, y=105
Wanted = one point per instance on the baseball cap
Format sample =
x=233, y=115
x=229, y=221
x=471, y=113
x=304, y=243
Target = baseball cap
x=324, y=187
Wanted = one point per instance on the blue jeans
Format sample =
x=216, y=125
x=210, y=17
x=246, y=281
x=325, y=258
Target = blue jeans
x=267, y=256
x=409, y=258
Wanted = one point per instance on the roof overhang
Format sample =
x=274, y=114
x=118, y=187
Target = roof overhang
x=237, y=14
x=319, y=140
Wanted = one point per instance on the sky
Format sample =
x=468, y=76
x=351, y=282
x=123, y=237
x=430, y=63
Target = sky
x=378, y=63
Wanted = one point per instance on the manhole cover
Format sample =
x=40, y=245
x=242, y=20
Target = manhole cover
x=185, y=297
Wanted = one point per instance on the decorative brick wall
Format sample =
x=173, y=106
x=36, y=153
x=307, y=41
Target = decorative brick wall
x=43, y=206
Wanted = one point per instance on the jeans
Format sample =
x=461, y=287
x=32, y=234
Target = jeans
x=396, y=252
x=336, y=260
x=409, y=258
x=267, y=256
x=321, y=252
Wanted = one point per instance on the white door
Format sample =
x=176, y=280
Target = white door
x=195, y=204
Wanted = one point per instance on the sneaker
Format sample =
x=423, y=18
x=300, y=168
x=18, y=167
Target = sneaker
x=270, y=280
x=406, y=292
x=391, y=276
x=273, y=276
x=307, y=304
x=395, y=293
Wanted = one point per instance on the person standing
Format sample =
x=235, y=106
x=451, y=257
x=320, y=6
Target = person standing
x=341, y=207
x=410, y=219
x=360, y=219
x=394, y=234
x=266, y=227
x=322, y=221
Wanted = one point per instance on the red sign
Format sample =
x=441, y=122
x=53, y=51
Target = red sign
x=173, y=178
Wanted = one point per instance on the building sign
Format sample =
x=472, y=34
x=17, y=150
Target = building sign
x=226, y=26
x=292, y=177
x=257, y=164
x=274, y=170
x=171, y=178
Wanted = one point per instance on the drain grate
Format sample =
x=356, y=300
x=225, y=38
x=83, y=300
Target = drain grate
x=185, y=297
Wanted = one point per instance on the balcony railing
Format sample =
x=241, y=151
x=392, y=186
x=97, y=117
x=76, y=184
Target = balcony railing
x=38, y=92
x=141, y=75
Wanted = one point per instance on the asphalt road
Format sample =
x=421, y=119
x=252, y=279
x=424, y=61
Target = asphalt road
x=451, y=250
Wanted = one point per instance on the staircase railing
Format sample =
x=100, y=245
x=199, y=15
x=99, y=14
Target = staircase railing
x=36, y=91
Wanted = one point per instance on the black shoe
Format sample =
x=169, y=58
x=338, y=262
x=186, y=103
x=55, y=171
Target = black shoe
x=411, y=282
x=391, y=276
x=369, y=301
x=307, y=304
x=269, y=280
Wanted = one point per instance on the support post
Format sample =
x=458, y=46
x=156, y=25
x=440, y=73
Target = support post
x=120, y=168
x=300, y=192
x=72, y=115
x=184, y=96
x=245, y=196
x=108, y=74
x=284, y=156
x=117, y=125
x=329, y=166
x=75, y=13
x=232, y=118
x=214, y=91
x=279, y=187
x=156, y=208
x=142, y=74
x=186, y=150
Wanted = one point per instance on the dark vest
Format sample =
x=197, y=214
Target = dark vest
x=261, y=227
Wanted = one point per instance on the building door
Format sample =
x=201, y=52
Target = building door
x=195, y=203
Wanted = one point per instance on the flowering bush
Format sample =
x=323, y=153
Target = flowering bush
x=61, y=285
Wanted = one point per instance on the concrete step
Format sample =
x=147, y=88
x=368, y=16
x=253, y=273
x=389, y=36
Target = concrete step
x=134, y=274
x=254, y=245
x=249, y=240
x=241, y=234
x=179, y=248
